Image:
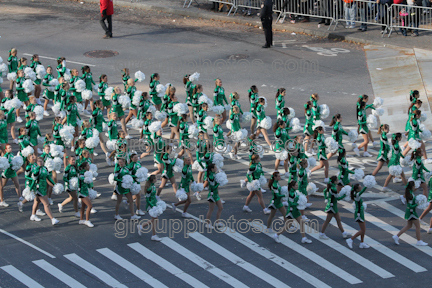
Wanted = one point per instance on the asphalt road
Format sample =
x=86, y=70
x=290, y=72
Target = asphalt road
x=174, y=46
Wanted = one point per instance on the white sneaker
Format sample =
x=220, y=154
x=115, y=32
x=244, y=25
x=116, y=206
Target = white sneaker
x=208, y=226
x=261, y=136
x=34, y=218
x=54, y=221
x=323, y=236
x=364, y=245
x=366, y=154
x=269, y=230
x=308, y=205
x=185, y=215
x=95, y=154
x=15, y=141
x=86, y=112
x=429, y=231
x=107, y=154
x=20, y=206
x=276, y=238
x=140, y=212
x=114, y=197
x=396, y=239
x=346, y=235
x=156, y=238
x=18, y=119
x=38, y=101
x=51, y=202
x=357, y=151
x=307, y=154
x=231, y=156
x=403, y=200
x=173, y=207
x=386, y=189
x=197, y=195
x=125, y=204
x=117, y=217
x=306, y=240
x=128, y=137
x=222, y=201
x=93, y=211
x=263, y=191
x=77, y=214
x=135, y=217
x=266, y=211
x=286, y=175
x=326, y=180
x=305, y=219
x=428, y=161
x=139, y=228
x=88, y=224
x=4, y=204
x=349, y=242
x=237, y=157
x=81, y=222
x=246, y=209
x=58, y=171
x=219, y=225
x=242, y=183
x=98, y=195
x=40, y=213
x=46, y=113
x=421, y=243
x=397, y=180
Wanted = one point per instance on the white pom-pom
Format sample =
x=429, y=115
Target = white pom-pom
x=311, y=162
x=92, y=194
x=353, y=135
x=302, y=201
x=137, y=123
x=378, y=102
x=28, y=86
x=30, y=74
x=208, y=122
x=56, y=108
x=15, y=103
x=296, y=129
x=17, y=162
x=12, y=76
x=38, y=110
x=40, y=71
x=193, y=131
x=221, y=178
x=181, y=109
x=87, y=94
x=204, y=99
x=292, y=113
x=49, y=164
x=423, y=117
x=372, y=121
x=414, y=144
x=284, y=191
x=227, y=107
x=4, y=163
x=28, y=195
x=80, y=86
x=346, y=192
x=218, y=160
x=111, y=179
x=140, y=76
x=135, y=188
x=155, y=126
x=160, y=116
x=151, y=109
x=311, y=188
x=92, y=142
x=127, y=181
x=425, y=134
x=378, y=112
x=395, y=170
x=56, y=150
x=369, y=181
x=58, y=189
x=197, y=166
x=88, y=177
x=125, y=101
x=406, y=162
x=240, y=135
x=27, y=151
x=358, y=174
x=160, y=89
x=181, y=194
x=155, y=211
x=3, y=68
x=422, y=202
x=197, y=187
x=246, y=117
x=218, y=109
x=416, y=182
x=331, y=144
x=266, y=123
x=282, y=155
x=73, y=184
x=141, y=174
x=253, y=186
x=161, y=204
x=194, y=77
x=53, y=83
x=228, y=124
x=1, y=80
x=324, y=111
x=295, y=122
x=111, y=144
x=262, y=180
x=67, y=76
x=57, y=163
x=136, y=99
x=178, y=166
x=318, y=123
x=108, y=92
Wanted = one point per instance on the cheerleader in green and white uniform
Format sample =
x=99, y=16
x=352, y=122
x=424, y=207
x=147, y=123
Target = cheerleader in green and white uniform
x=418, y=169
x=362, y=125
x=72, y=115
x=10, y=115
x=183, y=128
x=143, y=106
x=203, y=161
x=87, y=77
x=173, y=118
x=61, y=67
x=202, y=114
x=145, y=132
x=117, y=108
x=303, y=183
x=86, y=133
x=308, y=128
x=234, y=117
x=45, y=156
x=154, y=82
x=414, y=133
x=321, y=156
x=12, y=63
x=151, y=201
x=292, y=166
x=33, y=130
x=125, y=77
x=133, y=166
x=186, y=180
x=234, y=100
x=293, y=213
x=253, y=102
x=356, y=192
x=395, y=161
x=260, y=111
x=337, y=132
x=213, y=197
x=168, y=172
x=158, y=151
x=103, y=85
x=331, y=195
x=280, y=101
x=282, y=140
x=410, y=215
x=112, y=127
x=70, y=172
x=47, y=94
x=133, y=110
x=196, y=94
x=58, y=90
x=3, y=131
x=344, y=171
x=83, y=195
x=35, y=62
x=29, y=182
x=415, y=105
x=97, y=121
x=22, y=95
x=218, y=136
x=190, y=88
x=219, y=97
x=429, y=208
x=9, y=174
x=254, y=173
x=276, y=201
x=72, y=89
x=42, y=179
x=384, y=148
x=120, y=171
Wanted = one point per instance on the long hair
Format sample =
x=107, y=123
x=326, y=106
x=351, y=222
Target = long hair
x=416, y=114
x=410, y=186
x=272, y=179
x=413, y=94
x=360, y=103
x=85, y=69
x=60, y=60
x=13, y=50
x=291, y=184
x=277, y=125
x=307, y=106
x=101, y=77
x=418, y=101
x=415, y=154
x=334, y=119
x=331, y=180
x=395, y=138
x=382, y=128
x=252, y=90
x=149, y=181
x=279, y=91
x=196, y=88
x=315, y=135
x=342, y=153
x=186, y=79
x=182, y=119
x=253, y=158
x=21, y=60
x=154, y=75
x=353, y=190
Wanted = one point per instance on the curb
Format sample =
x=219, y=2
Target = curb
x=290, y=28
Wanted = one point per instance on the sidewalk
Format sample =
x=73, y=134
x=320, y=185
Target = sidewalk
x=203, y=10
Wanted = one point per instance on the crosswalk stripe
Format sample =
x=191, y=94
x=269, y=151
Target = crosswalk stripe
x=57, y=273
x=315, y=258
x=276, y=259
x=237, y=260
x=21, y=277
x=87, y=266
x=130, y=267
x=390, y=229
x=150, y=255
x=377, y=246
x=202, y=263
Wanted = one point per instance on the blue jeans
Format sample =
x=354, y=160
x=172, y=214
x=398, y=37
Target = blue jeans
x=350, y=13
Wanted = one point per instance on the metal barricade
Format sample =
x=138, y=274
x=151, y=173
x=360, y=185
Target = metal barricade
x=248, y=4
x=230, y=3
x=190, y=2
x=406, y=17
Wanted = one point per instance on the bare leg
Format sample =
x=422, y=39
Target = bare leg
x=270, y=218
x=264, y=132
x=47, y=208
x=417, y=226
x=260, y=198
x=119, y=200
x=327, y=221
x=406, y=228
x=210, y=210
x=338, y=221
x=162, y=185
x=174, y=184
x=253, y=125
x=426, y=211
x=378, y=168
x=220, y=208
x=364, y=143
x=277, y=162
x=249, y=198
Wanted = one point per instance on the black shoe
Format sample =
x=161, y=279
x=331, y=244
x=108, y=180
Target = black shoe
x=265, y=46
x=322, y=22
x=327, y=23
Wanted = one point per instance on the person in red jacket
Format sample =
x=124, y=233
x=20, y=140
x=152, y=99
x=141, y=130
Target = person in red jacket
x=107, y=10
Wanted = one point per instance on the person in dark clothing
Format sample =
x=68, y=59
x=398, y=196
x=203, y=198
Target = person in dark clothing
x=106, y=10
x=266, y=15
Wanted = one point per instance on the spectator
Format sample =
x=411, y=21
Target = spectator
x=107, y=10
x=415, y=16
x=363, y=10
x=350, y=10
x=383, y=6
x=266, y=15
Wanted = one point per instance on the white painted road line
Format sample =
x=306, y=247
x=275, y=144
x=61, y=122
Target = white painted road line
x=21, y=277
x=376, y=245
x=60, y=275
x=123, y=263
x=50, y=58
x=90, y=268
x=237, y=260
x=150, y=255
x=315, y=258
x=27, y=243
x=207, y=266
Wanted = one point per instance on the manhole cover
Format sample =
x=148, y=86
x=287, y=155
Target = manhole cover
x=238, y=56
x=101, y=54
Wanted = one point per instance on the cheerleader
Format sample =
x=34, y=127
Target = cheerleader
x=303, y=183
x=35, y=62
x=63, y=95
x=72, y=89
x=120, y=171
x=167, y=172
x=33, y=131
x=362, y=125
x=58, y=90
x=235, y=101
x=29, y=182
x=316, y=109
x=414, y=133
x=45, y=156
x=213, y=197
x=196, y=94
x=344, y=171
x=292, y=166
x=3, y=131
x=30, y=108
x=131, y=89
x=48, y=95
x=118, y=109
x=202, y=114
x=261, y=117
x=308, y=128
x=103, y=85
x=9, y=174
x=183, y=128
x=337, y=132
x=415, y=105
x=254, y=173
x=42, y=179
x=331, y=195
x=151, y=201
x=356, y=192
x=201, y=152
x=234, y=117
x=384, y=148
x=83, y=194
x=172, y=118
x=218, y=135
x=159, y=148
x=418, y=169
x=87, y=77
x=125, y=77
x=86, y=133
x=57, y=126
x=97, y=120
x=322, y=157
x=253, y=101
x=410, y=215
x=154, y=82
x=71, y=172
x=280, y=101
x=219, y=97
x=133, y=166
x=189, y=87
x=276, y=201
x=145, y=132
x=186, y=180
x=72, y=115
x=22, y=95
x=12, y=63
x=112, y=127
x=429, y=208
x=61, y=67
x=10, y=115
x=143, y=106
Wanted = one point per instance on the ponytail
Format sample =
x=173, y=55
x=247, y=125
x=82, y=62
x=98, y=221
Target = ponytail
x=277, y=125
x=410, y=186
x=154, y=75
x=331, y=181
x=413, y=93
x=253, y=158
x=307, y=106
x=148, y=183
x=291, y=185
x=279, y=91
x=382, y=128
x=360, y=103
x=415, y=154
x=315, y=135
x=101, y=77
x=186, y=79
x=84, y=69
x=272, y=179
x=334, y=119
x=353, y=190
x=251, y=91
x=396, y=136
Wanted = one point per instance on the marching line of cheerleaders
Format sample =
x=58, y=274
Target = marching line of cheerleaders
x=69, y=148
